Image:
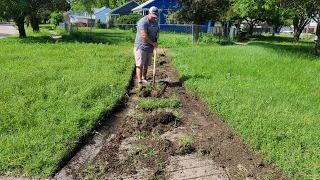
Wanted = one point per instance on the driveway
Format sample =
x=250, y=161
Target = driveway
x=7, y=30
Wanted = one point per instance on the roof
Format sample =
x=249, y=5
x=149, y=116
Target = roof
x=101, y=9
x=123, y=5
x=142, y=5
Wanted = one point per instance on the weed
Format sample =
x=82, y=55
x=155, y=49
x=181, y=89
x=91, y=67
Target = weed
x=160, y=164
x=145, y=151
x=90, y=170
x=139, y=134
x=150, y=153
x=95, y=171
x=185, y=141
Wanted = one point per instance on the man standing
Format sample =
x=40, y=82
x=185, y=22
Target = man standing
x=146, y=41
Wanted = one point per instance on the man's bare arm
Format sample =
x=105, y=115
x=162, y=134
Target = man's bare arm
x=147, y=39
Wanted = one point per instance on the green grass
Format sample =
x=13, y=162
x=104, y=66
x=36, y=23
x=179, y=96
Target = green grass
x=268, y=91
x=151, y=104
x=51, y=94
x=122, y=37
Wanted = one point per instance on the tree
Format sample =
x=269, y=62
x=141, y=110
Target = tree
x=301, y=12
x=316, y=50
x=114, y=3
x=56, y=18
x=37, y=7
x=250, y=10
x=275, y=15
x=17, y=10
x=196, y=12
x=225, y=18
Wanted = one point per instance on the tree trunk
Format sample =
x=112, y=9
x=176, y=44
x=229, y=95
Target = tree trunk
x=299, y=25
x=34, y=23
x=20, y=23
x=273, y=31
x=316, y=50
x=195, y=32
x=224, y=33
x=296, y=34
x=250, y=32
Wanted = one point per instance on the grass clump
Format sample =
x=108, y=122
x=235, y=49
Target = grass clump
x=139, y=134
x=185, y=141
x=185, y=146
x=152, y=104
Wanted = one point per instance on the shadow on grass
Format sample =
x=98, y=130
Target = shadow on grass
x=112, y=38
x=284, y=45
x=196, y=76
x=100, y=37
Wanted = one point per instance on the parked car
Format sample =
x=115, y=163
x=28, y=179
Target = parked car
x=287, y=32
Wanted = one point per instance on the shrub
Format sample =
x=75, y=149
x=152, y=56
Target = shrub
x=100, y=25
x=56, y=18
x=128, y=19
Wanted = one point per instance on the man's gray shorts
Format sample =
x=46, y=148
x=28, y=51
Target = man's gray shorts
x=142, y=57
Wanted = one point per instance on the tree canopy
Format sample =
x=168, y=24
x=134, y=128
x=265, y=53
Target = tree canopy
x=19, y=9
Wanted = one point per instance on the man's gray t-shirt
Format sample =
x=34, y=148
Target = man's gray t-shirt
x=151, y=27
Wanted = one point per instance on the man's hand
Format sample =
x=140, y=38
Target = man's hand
x=155, y=44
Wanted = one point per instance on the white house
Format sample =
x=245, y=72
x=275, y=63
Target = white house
x=85, y=18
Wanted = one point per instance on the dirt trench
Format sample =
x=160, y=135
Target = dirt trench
x=181, y=141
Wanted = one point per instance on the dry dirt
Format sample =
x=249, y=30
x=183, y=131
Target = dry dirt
x=188, y=142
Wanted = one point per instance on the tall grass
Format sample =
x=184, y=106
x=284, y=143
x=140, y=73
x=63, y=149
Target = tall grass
x=51, y=94
x=268, y=91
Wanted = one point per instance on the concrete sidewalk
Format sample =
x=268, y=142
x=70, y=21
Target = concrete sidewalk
x=7, y=30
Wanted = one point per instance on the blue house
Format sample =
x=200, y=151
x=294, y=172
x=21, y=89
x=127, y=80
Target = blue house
x=100, y=14
x=163, y=5
x=124, y=9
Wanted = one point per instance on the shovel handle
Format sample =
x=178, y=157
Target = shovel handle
x=154, y=66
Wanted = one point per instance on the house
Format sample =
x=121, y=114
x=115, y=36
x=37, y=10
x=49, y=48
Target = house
x=311, y=27
x=85, y=18
x=100, y=14
x=124, y=9
x=163, y=5
x=79, y=18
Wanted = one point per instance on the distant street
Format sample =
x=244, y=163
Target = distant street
x=7, y=30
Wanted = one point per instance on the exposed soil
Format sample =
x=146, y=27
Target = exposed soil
x=182, y=143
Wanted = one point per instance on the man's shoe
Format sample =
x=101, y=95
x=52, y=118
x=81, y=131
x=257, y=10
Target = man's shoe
x=144, y=81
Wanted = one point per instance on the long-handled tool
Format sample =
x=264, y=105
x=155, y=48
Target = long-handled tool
x=154, y=67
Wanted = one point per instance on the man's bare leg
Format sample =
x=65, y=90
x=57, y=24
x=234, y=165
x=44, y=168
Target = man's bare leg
x=139, y=73
x=145, y=70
